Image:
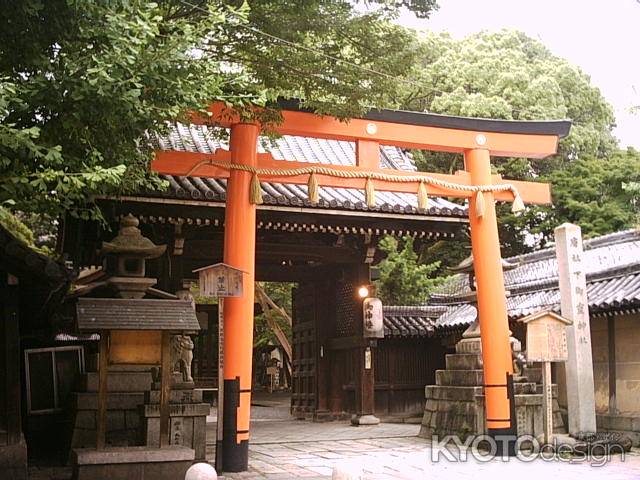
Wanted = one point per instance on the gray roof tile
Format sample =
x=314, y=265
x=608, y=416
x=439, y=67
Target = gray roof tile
x=96, y=314
x=612, y=266
x=200, y=138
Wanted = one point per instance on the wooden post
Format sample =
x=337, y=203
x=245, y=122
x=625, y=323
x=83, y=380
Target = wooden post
x=11, y=362
x=492, y=303
x=547, y=402
x=103, y=375
x=611, y=336
x=165, y=388
x=239, y=252
x=220, y=401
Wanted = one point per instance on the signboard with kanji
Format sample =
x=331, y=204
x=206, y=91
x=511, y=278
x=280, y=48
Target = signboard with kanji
x=546, y=337
x=220, y=280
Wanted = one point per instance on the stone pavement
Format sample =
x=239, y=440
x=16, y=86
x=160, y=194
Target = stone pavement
x=283, y=448
x=289, y=449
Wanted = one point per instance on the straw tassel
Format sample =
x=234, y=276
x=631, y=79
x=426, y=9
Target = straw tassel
x=423, y=198
x=370, y=193
x=479, y=204
x=255, y=191
x=312, y=188
x=518, y=205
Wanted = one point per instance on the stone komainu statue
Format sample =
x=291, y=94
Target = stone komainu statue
x=182, y=356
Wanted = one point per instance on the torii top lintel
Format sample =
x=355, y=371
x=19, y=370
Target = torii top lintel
x=532, y=139
x=425, y=131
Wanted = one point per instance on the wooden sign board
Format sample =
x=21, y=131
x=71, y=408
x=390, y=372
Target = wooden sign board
x=546, y=337
x=135, y=347
x=220, y=280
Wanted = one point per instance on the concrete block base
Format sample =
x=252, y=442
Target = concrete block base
x=132, y=463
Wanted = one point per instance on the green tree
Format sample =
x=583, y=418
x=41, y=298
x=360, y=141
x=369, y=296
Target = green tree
x=281, y=294
x=510, y=76
x=83, y=81
x=600, y=195
x=403, y=280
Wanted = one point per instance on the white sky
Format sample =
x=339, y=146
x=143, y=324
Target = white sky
x=601, y=37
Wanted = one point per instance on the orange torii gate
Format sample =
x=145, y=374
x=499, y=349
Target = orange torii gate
x=477, y=139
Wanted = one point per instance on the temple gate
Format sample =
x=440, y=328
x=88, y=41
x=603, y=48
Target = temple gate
x=477, y=139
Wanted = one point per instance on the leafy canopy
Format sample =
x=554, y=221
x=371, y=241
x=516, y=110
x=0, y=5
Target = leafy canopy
x=511, y=76
x=403, y=280
x=600, y=195
x=83, y=81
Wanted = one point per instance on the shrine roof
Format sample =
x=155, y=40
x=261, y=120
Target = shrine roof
x=410, y=321
x=203, y=139
x=95, y=314
x=612, y=267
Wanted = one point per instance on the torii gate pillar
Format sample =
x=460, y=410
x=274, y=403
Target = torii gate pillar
x=239, y=252
x=492, y=310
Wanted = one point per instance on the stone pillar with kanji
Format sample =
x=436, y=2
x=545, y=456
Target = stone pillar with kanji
x=575, y=306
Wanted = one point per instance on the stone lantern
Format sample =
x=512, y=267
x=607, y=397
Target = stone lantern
x=470, y=342
x=126, y=255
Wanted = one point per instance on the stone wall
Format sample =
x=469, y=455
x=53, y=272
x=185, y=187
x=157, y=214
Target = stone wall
x=628, y=364
x=600, y=352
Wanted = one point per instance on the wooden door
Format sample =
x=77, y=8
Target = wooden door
x=304, y=395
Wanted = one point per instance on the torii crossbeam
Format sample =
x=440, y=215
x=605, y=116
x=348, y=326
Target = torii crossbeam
x=477, y=139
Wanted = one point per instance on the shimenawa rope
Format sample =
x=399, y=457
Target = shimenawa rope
x=313, y=187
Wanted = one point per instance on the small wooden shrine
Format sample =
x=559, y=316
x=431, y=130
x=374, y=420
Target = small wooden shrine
x=134, y=330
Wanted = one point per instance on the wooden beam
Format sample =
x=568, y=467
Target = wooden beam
x=611, y=344
x=165, y=389
x=368, y=154
x=265, y=303
x=273, y=305
x=307, y=124
x=103, y=375
x=11, y=360
x=191, y=163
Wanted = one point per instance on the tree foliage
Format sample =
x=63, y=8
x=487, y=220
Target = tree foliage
x=600, y=195
x=281, y=294
x=82, y=81
x=511, y=76
x=403, y=279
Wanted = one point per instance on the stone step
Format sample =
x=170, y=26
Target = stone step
x=464, y=394
x=459, y=378
x=179, y=410
x=468, y=393
x=115, y=400
x=177, y=396
x=118, y=381
x=533, y=374
x=524, y=388
x=463, y=361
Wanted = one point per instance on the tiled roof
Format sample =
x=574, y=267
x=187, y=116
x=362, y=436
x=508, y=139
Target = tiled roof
x=410, y=321
x=96, y=314
x=612, y=267
x=200, y=138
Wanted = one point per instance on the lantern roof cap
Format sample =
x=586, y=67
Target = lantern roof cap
x=130, y=241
